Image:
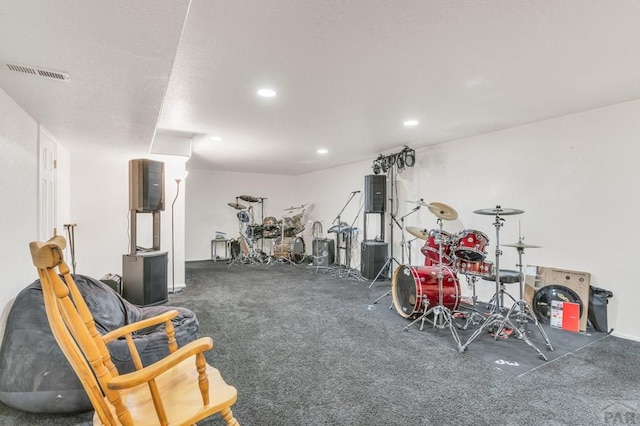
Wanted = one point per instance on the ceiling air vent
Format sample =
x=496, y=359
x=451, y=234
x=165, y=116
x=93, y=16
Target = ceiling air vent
x=38, y=72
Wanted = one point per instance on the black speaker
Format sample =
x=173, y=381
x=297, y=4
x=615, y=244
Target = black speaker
x=373, y=258
x=144, y=278
x=146, y=185
x=324, y=252
x=375, y=193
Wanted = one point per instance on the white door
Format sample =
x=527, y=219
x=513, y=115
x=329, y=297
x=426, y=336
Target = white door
x=46, y=185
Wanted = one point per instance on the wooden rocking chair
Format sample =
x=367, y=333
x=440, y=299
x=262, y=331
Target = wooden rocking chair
x=180, y=389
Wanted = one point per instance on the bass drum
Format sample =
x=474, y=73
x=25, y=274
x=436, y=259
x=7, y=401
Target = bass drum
x=414, y=288
x=290, y=248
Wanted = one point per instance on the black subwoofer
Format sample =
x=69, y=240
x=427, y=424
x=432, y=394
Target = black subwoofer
x=144, y=278
x=373, y=258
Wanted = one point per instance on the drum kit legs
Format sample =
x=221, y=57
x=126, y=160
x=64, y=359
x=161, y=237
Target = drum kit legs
x=414, y=288
x=442, y=316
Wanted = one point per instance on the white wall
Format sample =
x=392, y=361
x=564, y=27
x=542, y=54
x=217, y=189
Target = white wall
x=19, y=194
x=574, y=177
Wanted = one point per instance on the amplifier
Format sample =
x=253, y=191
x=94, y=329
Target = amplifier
x=324, y=251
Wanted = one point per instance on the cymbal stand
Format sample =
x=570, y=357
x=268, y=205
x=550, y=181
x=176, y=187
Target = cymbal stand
x=402, y=244
x=261, y=219
x=442, y=317
x=524, y=312
x=496, y=317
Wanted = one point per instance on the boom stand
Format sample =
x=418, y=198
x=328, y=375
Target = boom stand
x=441, y=314
x=346, y=238
x=524, y=312
x=496, y=317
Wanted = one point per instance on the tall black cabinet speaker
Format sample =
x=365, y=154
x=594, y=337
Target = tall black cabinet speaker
x=324, y=252
x=375, y=193
x=373, y=259
x=146, y=185
x=144, y=278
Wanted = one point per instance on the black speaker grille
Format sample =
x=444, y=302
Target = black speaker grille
x=375, y=193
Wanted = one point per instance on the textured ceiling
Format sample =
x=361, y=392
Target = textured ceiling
x=347, y=72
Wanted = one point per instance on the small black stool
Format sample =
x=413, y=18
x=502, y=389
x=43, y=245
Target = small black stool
x=506, y=276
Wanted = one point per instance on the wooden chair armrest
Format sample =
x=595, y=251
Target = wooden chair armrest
x=130, y=328
x=152, y=371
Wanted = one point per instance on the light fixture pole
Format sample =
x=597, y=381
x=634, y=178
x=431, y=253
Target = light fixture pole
x=173, y=243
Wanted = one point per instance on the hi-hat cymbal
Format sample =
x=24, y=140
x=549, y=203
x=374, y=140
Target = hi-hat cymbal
x=520, y=244
x=498, y=211
x=421, y=233
x=443, y=211
x=237, y=206
x=249, y=198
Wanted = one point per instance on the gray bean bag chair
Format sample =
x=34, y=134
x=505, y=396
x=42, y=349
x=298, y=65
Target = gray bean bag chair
x=35, y=375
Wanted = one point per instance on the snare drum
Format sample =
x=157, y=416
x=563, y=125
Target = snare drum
x=470, y=245
x=432, y=245
x=475, y=269
x=415, y=288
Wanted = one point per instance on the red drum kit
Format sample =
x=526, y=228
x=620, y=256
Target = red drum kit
x=281, y=235
x=431, y=293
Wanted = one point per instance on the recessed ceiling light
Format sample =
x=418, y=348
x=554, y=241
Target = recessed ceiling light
x=411, y=123
x=267, y=93
x=215, y=138
x=323, y=151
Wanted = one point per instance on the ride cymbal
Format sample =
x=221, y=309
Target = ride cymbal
x=237, y=206
x=249, y=198
x=498, y=211
x=421, y=233
x=443, y=211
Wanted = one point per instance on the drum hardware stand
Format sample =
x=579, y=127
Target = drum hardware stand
x=502, y=292
x=471, y=319
x=442, y=316
x=524, y=312
x=496, y=317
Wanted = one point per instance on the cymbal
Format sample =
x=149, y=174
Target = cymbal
x=498, y=210
x=443, y=211
x=249, y=198
x=520, y=244
x=421, y=233
x=295, y=208
x=420, y=202
x=237, y=206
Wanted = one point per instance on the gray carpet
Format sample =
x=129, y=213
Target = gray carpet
x=304, y=348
